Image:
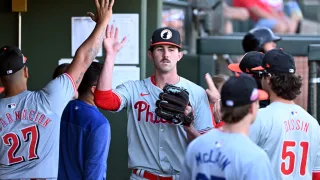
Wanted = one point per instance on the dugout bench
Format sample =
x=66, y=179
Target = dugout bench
x=208, y=48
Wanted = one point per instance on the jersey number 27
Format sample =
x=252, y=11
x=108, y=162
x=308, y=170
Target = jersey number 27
x=287, y=153
x=29, y=134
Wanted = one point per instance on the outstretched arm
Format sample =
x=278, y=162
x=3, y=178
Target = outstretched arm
x=91, y=46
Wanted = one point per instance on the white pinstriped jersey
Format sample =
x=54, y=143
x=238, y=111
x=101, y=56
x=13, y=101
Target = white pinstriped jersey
x=29, y=130
x=291, y=138
x=154, y=144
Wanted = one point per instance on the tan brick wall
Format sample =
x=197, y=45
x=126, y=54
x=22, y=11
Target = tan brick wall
x=303, y=70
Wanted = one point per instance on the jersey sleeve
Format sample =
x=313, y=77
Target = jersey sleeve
x=202, y=114
x=256, y=129
x=260, y=168
x=316, y=167
x=123, y=91
x=95, y=163
x=58, y=92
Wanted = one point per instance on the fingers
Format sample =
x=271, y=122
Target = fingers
x=91, y=15
x=111, y=4
x=124, y=40
x=112, y=31
x=108, y=35
x=103, y=3
x=117, y=34
x=97, y=3
x=210, y=83
x=187, y=110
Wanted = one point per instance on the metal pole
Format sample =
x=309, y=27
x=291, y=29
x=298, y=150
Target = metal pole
x=143, y=39
x=312, y=89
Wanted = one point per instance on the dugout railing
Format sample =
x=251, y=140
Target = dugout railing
x=208, y=48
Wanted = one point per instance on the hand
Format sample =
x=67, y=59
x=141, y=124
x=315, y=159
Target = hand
x=111, y=43
x=216, y=111
x=103, y=12
x=212, y=92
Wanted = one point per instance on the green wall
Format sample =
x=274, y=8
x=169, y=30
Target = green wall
x=46, y=37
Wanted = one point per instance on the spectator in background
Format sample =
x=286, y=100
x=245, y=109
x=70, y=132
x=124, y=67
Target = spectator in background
x=233, y=13
x=269, y=14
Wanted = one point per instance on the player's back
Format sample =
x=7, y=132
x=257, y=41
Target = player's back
x=290, y=137
x=219, y=155
x=29, y=131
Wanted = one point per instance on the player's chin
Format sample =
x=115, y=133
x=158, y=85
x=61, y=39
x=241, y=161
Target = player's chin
x=165, y=68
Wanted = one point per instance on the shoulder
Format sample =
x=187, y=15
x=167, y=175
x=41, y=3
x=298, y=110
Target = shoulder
x=250, y=151
x=196, y=143
x=191, y=87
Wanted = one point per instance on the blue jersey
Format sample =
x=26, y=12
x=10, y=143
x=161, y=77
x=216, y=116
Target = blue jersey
x=84, y=142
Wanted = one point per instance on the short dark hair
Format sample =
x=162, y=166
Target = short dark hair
x=90, y=78
x=60, y=70
x=232, y=115
x=285, y=85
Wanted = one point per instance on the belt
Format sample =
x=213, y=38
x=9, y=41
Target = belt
x=150, y=176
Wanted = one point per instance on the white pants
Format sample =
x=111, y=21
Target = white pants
x=136, y=177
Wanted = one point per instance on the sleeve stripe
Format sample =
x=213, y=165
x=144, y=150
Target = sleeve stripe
x=73, y=84
x=202, y=131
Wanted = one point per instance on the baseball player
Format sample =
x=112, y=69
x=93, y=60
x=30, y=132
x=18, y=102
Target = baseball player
x=249, y=61
x=84, y=134
x=30, y=120
x=156, y=146
x=287, y=133
x=260, y=39
x=228, y=153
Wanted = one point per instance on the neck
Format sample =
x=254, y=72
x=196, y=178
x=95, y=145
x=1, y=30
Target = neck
x=87, y=99
x=241, y=127
x=170, y=78
x=275, y=98
x=14, y=89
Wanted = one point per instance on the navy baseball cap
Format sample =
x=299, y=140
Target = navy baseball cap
x=277, y=61
x=11, y=60
x=250, y=60
x=166, y=36
x=240, y=90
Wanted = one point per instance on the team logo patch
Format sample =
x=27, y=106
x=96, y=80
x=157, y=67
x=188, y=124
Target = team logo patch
x=11, y=106
x=166, y=34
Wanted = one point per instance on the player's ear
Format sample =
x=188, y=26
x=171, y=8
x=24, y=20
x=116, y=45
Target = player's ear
x=150, y=55
x=180, y=55
x=93, y=89
x=26, y=72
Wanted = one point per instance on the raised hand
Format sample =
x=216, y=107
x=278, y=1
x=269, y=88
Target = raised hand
x=212, y=92
x=103, y=12
x=111, y=42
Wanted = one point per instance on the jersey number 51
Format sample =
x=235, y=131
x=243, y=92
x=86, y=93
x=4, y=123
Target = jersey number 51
x=287, y=153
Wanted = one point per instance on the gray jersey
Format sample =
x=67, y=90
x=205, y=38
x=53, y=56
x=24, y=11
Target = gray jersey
x=153, y=143
x=290, y=137
x=217, y=155
x=29, y=130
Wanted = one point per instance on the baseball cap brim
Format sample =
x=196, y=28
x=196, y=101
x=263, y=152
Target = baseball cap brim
x=234, y=67
x=262, y=95
x=259, y=68
x=276, y=38
x=165, y=43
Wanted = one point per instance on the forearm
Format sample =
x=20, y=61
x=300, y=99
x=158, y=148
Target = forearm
x=86, y=54
x=105, y=81
x=192, y=133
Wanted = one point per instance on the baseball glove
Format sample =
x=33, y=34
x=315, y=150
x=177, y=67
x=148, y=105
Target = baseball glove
x=172, y=104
